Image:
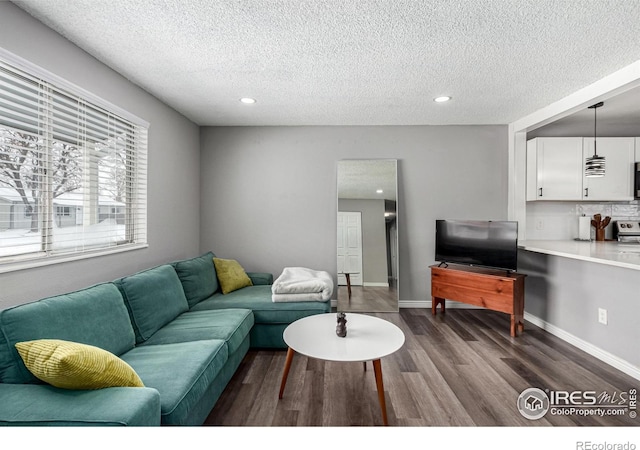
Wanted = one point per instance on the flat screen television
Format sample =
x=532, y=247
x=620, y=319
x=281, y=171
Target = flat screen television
x=487, y=243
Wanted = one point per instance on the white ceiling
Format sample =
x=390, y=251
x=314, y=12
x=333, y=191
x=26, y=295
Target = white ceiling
x=360, y=62
x=362, y=178
x=618, y=116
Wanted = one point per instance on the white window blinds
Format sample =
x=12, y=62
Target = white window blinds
x=73, y=173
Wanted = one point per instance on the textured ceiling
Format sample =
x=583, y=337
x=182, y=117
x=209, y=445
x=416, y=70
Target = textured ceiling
x=360, y=62
x=362, y=178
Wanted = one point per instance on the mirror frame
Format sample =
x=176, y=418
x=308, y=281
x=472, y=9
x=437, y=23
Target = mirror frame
x=363, y=185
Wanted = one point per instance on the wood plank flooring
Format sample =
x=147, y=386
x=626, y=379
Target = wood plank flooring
x=457, y=369
x=368, y=299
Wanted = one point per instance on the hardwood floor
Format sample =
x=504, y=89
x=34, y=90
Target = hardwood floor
x=457, y=369
x=368, y=299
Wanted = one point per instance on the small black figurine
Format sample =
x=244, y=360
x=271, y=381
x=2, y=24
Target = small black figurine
x=341, y=328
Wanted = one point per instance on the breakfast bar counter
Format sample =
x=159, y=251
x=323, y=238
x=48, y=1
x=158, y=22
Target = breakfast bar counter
x=611, y=253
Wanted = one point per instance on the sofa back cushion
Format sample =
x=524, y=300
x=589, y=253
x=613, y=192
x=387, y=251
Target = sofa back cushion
x=198, y=277
x=153, y=297
x=95, y=316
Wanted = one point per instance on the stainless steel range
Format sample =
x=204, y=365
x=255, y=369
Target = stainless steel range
x=627, y=231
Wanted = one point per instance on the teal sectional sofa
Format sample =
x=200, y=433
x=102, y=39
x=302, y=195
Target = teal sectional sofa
x=171, y=324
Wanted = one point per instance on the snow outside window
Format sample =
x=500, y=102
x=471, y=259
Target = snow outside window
x=73, y=169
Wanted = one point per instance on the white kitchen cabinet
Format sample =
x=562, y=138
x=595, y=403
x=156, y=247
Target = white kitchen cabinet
x=555, y=168
x=617, y=183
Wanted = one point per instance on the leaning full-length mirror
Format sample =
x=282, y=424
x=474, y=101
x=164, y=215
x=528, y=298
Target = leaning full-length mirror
x=367, y=238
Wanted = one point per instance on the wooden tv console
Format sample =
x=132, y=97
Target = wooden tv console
x=497, y=290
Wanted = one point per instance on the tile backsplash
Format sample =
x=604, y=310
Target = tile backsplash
x=559, y=220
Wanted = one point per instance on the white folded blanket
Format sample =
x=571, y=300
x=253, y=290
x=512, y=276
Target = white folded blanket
x=299, y=284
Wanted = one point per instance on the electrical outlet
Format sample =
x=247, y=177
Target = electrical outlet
x=602, y=316
x=539, y=224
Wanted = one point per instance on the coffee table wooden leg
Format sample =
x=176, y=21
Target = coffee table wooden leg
x=377, y=370
x=285, y=374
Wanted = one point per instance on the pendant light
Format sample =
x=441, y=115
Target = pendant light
x=594, y=166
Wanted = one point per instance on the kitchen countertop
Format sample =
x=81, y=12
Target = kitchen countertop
x=604, y=252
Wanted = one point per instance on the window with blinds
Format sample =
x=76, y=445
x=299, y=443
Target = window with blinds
x=73, y=172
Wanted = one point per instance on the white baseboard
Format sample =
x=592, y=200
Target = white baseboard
x=596, y=352
x=404, y=304
x=448, y=304
x=414, y=304
x=371, y=284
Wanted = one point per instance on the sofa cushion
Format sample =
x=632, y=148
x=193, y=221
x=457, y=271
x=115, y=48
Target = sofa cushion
x=70, y=365
x=181, y=372
x=260, y=278
x=154, y=297
x=230, y=325
x=45, y=405
x=231, y=275
x=95, y=316
x=198, y=277
x=258, y=299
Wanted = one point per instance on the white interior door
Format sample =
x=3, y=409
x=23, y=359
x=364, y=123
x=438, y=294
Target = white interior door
x=350, y=247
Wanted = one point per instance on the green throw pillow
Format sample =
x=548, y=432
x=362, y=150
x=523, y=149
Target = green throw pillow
x=70, y=365
x=231, y=275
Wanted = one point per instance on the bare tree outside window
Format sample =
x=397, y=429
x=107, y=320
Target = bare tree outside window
x=22, y=169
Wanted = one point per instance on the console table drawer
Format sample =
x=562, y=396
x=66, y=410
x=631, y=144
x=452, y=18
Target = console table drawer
x=502, y=302
x=473, y=280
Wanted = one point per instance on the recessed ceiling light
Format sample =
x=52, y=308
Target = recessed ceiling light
x=442, y=99
x=248, y=100
x=379, y=191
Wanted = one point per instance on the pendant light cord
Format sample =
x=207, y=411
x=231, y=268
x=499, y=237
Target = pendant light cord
x=595, y=124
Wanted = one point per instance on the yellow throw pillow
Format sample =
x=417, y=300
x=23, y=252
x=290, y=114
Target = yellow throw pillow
x=231, y=275
x=70, y=365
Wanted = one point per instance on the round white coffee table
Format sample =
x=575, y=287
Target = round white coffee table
x=368, y=339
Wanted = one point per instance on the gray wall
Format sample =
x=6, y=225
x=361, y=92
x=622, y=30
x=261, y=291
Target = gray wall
x=567, y=293
x=374, y=240
x=269, y=193
x=173, y=174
